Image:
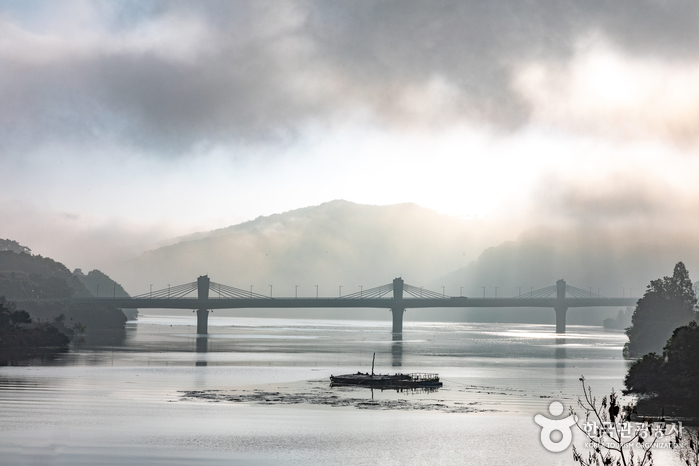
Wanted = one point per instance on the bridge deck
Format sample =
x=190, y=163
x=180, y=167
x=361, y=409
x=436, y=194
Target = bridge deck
x=379, y=303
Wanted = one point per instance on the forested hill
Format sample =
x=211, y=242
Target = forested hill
x=100, y=284
x=27, y=276
x=24, y=275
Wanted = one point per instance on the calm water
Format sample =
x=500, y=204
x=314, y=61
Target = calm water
x=125, y=404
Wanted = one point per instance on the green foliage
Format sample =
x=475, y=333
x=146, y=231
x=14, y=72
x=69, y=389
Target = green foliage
x=14, y=246
x=100, y=284
x=644, y=375
x=9, y=317
x=38, y=277
x=32, y=277
x=79, y=329
x=15, y=334
x=20, y=317
x=668, y=303
x=674, y=377
x=622, y=320
x=20, y=285
x=42, y=336
x=92, y=316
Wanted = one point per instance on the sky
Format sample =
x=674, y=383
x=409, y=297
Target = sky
x=125, y=123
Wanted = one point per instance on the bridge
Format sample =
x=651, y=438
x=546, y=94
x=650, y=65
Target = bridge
x=396, y=296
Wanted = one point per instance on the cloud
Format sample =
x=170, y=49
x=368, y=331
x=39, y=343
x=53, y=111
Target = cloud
x=174, y=77
x=627, y=203
x=603, y=92
x=78, y=240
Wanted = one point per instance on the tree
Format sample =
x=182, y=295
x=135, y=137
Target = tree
x=673, y=377
x=14, y=335
x=607, y=429
x=687, y=447
x=14, y=246
x=668, y=303
x=9, y=317
x=645, y=375
x=622, y=320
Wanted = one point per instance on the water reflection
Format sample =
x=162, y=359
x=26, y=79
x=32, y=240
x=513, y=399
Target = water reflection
x=560, y=352
x=397, y=350
x=560, y=355
x=98, y=339
x=202, y=347
x=28, y=356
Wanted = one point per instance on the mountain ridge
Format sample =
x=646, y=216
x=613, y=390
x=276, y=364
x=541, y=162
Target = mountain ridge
x=358, y=244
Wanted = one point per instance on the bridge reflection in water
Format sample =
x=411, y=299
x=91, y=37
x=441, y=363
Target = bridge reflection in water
x=397, y=350
x=202, y=347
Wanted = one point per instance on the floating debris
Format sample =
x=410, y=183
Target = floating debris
x=332, y=399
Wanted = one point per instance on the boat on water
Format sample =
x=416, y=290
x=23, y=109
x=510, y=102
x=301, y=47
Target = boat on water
x=397, y=381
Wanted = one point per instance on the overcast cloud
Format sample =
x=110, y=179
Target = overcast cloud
x=171, y=77
x=138, y=120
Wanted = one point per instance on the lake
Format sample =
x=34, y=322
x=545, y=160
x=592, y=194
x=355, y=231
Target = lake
x=256, y=391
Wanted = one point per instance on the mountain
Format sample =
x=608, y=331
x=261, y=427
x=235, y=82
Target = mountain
x=335, y=243
x=99, y=284
x=600, y=260
x=32, y=277
x=25, y=275
x=341, y=243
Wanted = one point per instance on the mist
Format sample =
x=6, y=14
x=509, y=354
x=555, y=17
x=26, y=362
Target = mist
x=303, y=148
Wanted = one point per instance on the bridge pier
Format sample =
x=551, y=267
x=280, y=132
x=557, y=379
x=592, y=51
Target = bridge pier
x=560, y=319
x=202, y=321
x=398, y=310
x=561, y=308
x=397, y=320
x=203, y=314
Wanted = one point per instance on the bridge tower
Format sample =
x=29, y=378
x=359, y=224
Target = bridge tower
x=560, y=308
x=398, y=308
x=203, y=314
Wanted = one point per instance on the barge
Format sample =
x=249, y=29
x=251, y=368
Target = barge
x=396, y=381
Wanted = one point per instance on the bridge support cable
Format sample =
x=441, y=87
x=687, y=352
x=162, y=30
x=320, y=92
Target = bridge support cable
x=561, y=291
x=179, y=291
x=371, y=293
x=570, y=291
x=420, y=292
x=225, y=291
x=580, y=293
